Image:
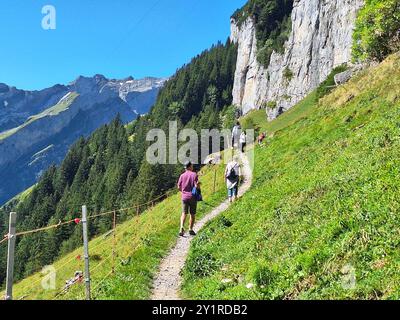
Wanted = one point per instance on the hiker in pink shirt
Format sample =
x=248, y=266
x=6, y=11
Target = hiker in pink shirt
x=187, y=181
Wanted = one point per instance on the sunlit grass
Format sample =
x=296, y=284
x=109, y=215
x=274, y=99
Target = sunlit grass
x=141, y=242
x=257, y=119
x=323, y=209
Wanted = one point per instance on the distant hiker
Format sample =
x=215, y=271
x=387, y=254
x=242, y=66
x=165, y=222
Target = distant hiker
x=232, y=176
x=236, y=133
x=242, y=141
x=261, y=138
x=187, y=182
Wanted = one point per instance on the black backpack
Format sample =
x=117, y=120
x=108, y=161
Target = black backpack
x=232, y=176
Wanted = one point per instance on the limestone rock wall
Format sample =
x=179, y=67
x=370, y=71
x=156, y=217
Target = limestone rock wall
x=320, y=40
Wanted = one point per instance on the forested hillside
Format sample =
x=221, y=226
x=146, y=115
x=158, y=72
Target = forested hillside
x=108, y=170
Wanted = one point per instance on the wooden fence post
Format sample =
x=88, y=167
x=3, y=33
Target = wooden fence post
x=215, y=177
x=86, y=251
x=114, y=241
x=10, y=256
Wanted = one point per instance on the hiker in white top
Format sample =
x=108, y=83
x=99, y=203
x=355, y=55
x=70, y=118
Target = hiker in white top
x=242, y=141
x=236, y=134
x=232, y=176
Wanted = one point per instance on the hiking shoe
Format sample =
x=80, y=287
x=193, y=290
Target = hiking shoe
x=182, y=232
x=192, y=233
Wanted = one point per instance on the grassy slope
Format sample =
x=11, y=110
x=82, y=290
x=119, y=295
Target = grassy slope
x=52, y=111
x=19, y=197
x=324, y=204
x=23, y=195
x=258, y=119
x=141, y=243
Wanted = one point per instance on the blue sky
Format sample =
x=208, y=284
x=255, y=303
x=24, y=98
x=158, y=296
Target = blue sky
x=116, y=38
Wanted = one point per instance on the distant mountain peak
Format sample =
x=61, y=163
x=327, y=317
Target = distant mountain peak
x=4, y=88
x=57, y=116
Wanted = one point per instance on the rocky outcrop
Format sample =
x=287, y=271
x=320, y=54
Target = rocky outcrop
x=320, y=40
x=38, y=127
x=343, y=77
x=140, y=95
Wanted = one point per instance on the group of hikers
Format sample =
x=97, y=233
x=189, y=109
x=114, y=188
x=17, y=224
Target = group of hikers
x=189, y=185
x=239, y=135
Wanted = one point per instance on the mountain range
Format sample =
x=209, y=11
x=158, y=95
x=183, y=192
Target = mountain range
x=38, y=127
x=320, y=219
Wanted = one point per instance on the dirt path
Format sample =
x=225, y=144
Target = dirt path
x=168, y=280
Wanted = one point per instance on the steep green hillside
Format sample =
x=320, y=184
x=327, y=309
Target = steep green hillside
x=52, y=111
x=109, y=169
x=322, y=218
x=258, y=119
x=141, y=242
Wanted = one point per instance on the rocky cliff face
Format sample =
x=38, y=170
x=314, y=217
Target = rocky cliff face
x=38, y=127
x=321, y=39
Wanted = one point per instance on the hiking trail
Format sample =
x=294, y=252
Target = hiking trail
x=168, y=280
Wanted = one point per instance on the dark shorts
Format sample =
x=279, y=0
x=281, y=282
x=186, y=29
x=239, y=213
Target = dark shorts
x=189, y=206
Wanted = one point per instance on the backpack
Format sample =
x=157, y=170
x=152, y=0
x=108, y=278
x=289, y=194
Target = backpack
x=196, y=193
x=232, y=176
